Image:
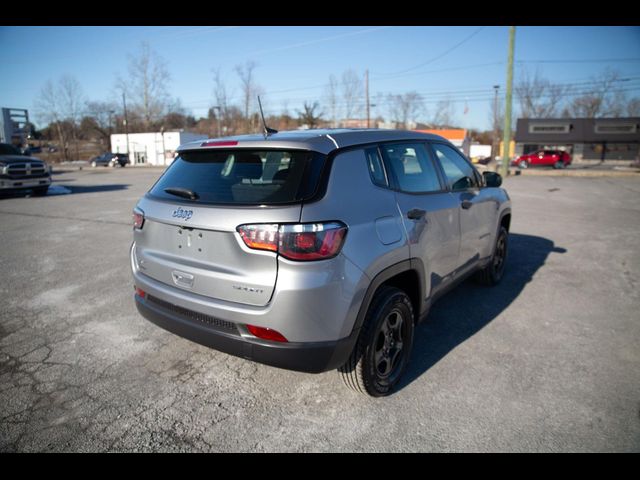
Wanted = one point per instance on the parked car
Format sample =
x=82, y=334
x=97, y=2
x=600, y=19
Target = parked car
x=315, y=250
x=121, y=158
x=20, y=172
x=110, y=160
x=550, y=158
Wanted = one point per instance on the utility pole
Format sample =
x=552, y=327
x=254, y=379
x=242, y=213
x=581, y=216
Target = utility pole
x=507, y=112
x=126, y=123
x=366, y=88
x=495, y=147
x=164, y=156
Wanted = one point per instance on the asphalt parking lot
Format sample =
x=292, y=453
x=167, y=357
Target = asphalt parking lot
x=547, y=361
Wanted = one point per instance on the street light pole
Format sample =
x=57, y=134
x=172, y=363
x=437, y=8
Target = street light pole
x=111, y=112
x=126, y=123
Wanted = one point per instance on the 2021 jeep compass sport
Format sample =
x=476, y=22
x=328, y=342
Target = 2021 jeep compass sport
x=315, y=250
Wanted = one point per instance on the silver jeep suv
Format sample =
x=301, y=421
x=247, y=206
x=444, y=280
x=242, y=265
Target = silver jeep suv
x=315, y=250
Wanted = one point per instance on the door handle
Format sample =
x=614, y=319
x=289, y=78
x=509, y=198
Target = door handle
x=416, y=214
x=466, y=204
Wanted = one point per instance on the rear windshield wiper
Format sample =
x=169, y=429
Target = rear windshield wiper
x=182, y=192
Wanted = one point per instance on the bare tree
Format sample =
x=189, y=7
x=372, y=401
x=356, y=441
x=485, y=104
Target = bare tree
x=99, y=119
x=308, y=117
x=49, y=111
x=61, y=104
x=444, y=113
x=146, y=84
x=603, y=98
x=538, y=97
x=352, y=93
x=331, y=95
x=404, y=108
x=220, y=91
x=633, y=107
x=249, y=88
x=71, y=101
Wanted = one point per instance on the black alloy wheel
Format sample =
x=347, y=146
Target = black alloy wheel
x=384, y=345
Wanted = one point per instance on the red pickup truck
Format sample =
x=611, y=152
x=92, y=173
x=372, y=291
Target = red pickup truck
x=550, y=158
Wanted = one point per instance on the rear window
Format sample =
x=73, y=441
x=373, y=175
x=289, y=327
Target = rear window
x=249, y=177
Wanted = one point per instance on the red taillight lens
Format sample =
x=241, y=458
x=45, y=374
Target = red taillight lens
x=260, y=237
x=314, y=241
x=266, y=333
x=301, y=242
x=141, y=293
x=138, y=218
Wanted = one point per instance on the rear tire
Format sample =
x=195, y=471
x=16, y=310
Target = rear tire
x=523, y=164
x=493, y=273
x=383, y=348
x=559, y=165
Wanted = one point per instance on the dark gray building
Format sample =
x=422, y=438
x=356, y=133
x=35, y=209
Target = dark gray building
x=586, y=139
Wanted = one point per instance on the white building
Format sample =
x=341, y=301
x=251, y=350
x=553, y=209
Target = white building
x=479, y=151
x=153, y=148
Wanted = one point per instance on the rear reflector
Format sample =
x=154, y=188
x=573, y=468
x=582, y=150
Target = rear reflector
x=221, y=143
x=141, y=293
x=266, y=333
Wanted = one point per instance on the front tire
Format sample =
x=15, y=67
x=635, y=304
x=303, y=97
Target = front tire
x=492, y=273
x=523, y=164
x=382, y=352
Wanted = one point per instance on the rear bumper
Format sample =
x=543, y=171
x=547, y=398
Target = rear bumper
x=304, y=357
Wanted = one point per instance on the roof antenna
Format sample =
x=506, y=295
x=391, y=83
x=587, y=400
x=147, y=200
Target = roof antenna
x=267, y=131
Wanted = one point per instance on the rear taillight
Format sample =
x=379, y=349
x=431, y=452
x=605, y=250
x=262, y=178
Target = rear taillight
x=139, y=292
x=260, y=237
x=301, y=242
x=311, y=241
x=138, y=218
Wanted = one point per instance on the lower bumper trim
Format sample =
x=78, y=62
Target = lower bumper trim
x=303, y=357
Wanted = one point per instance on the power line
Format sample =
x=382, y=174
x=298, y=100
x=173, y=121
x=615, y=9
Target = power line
x=584, y=60
x=437, y=57
x=443, y=94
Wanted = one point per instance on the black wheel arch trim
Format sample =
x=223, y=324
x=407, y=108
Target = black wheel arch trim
x=413, y=264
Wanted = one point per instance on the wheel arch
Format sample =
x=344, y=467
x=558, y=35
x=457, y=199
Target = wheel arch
x=408, y=276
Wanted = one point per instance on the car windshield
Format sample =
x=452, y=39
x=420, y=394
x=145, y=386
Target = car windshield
x=243, y=177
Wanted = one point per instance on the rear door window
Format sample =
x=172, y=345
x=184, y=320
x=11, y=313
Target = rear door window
x=242, y=177
x=410, y=166
x=376, y=169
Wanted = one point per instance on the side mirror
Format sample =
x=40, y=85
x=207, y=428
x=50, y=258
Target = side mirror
x=492, y=179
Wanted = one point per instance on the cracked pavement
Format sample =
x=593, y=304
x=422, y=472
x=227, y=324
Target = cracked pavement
x=548, y=361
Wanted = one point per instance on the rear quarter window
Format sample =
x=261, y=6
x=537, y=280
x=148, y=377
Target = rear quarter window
x=243, y=177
